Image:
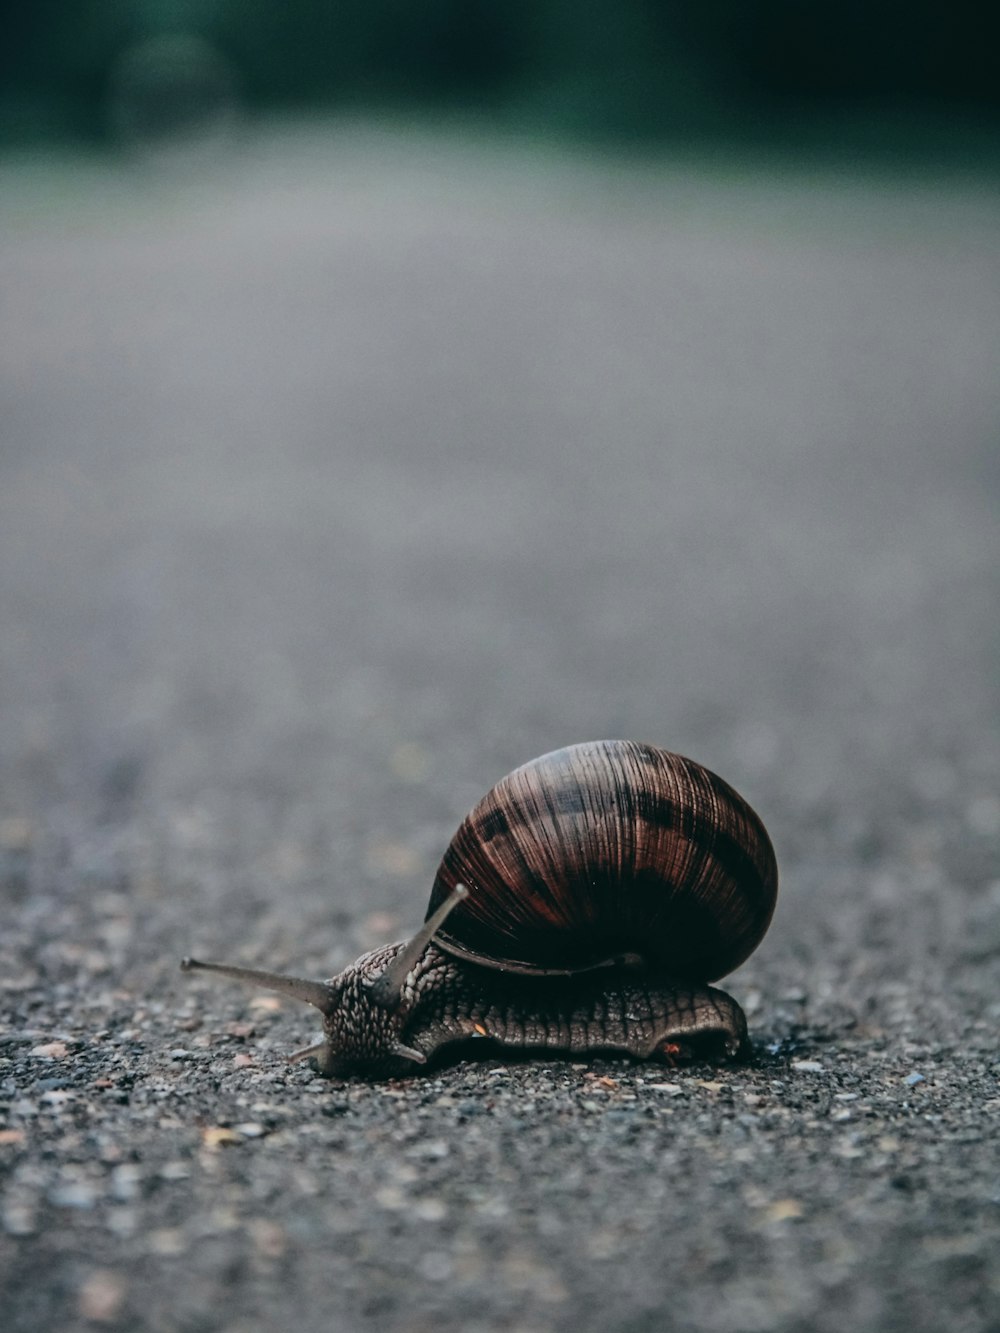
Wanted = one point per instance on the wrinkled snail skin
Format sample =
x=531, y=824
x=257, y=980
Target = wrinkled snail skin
x=583, y=906
x=616, y=1010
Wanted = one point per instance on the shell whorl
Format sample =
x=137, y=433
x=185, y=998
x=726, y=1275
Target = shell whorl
x=605, y=849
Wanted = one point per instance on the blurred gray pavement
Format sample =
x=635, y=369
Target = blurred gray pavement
x=335, y=482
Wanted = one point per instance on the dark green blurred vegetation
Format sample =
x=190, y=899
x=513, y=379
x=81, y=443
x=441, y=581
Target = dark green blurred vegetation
x=603, y=67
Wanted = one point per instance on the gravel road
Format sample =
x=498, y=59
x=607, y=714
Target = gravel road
x=341, y=478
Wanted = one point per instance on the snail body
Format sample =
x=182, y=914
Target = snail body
x=584, y=905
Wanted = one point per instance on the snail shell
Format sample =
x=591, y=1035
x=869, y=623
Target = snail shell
x=606, y=849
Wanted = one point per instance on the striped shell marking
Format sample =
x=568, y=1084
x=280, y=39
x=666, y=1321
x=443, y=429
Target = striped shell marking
x=605, y=849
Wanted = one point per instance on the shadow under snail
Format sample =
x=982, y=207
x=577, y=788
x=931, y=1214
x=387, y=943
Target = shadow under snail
x=583, y=906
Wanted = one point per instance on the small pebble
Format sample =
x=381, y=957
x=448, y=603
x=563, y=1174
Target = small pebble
x=251, y=1129
x=240, y=1030
x=125, y=1180
x=74, y=1194
x=807, y=1067
x=51, y=1050
x=122, y=1221
x=217, y=1136
x=391, y=1197
x=671, y=1089
x=432, y=1150
x=430, y=1210
x=174, y=1171
x=56, y=1098
x=913, y=1079
x=19, y=1219
x=101, y=1297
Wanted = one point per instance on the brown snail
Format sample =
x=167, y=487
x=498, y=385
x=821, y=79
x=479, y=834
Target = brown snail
x=584, y=905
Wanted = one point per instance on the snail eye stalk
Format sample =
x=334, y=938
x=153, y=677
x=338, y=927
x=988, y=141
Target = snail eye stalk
x=316, y=993
x=386, y=988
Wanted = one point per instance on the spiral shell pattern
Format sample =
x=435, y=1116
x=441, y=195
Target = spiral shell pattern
x=607, y=849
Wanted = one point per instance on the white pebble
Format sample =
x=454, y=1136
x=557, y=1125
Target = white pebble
x=430, y=1210
x=74, y=1194
x=19, y=1219
x=251, y=1129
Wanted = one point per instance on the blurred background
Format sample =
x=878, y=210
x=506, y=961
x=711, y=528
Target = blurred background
x=490, y=373
x=643, y=68
x=391, y=393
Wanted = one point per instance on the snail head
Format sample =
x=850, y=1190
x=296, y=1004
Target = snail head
x=340, y=999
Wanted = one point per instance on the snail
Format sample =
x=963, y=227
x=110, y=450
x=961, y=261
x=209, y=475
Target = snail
x=583, y=906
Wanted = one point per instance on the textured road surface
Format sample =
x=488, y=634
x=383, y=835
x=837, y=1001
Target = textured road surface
x=333, y=486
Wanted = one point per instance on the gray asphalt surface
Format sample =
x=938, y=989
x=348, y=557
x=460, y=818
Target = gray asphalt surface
x=338, y=482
